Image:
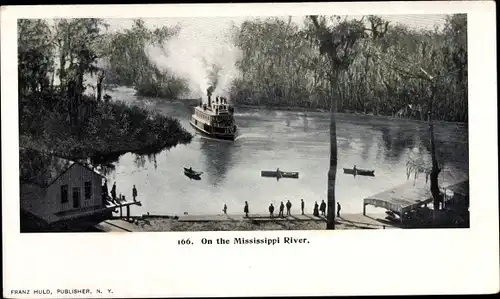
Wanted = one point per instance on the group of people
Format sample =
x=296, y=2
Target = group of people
x=322, y=208
x=316, y=211
x=282, y=209
x=113, y=198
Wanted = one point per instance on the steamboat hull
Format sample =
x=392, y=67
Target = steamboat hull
x=222, y=136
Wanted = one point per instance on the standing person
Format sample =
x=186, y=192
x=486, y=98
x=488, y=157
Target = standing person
x=338, y=209
x=246, y=209
x=105, y=194
x=224, y=209
x=113, y=192
x=315, y=211
x=271, y=211
x=282, y=208
x=288, y=207
x=302, y=205
x=322, y=208
x=134, y=193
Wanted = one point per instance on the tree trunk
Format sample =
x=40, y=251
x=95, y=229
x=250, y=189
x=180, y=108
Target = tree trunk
x=99, y=86
x=332, y=172
x=62, y=70
x=70, y=95
x=435, y=171
x=52, y=79
x=435, y=167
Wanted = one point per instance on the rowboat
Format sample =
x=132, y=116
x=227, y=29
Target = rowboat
x=279, y=174
x=192, y=173
x=358, y=171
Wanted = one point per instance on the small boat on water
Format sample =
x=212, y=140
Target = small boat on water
x=358, y=171
x=191, y=173
x=279, y=174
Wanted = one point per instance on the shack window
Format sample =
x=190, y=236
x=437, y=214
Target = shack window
x=64, y=193
x=76, y=197
x=88, y=190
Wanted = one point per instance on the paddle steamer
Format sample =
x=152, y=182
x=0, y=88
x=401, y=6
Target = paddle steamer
x=214, y=118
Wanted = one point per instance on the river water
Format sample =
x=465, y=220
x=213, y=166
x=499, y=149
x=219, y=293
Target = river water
x=292, y=141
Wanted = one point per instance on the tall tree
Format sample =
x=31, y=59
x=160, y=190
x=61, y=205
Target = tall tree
x=339, y=43
x=455, y=63
x=78, y=41
x=35, y=57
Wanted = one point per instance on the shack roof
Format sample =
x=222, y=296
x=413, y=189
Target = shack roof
x=412, y=194
x=42, y=169
x=401, y=198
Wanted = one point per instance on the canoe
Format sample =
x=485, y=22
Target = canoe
x=192, y=176
x=189, y=172
x=359, y=172
x=280, y=174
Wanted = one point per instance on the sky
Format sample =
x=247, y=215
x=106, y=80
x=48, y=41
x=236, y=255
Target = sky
x=202, y=24
x=204, y=39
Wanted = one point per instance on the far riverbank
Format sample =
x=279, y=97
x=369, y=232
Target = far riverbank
x=345, y=112
x=193, y=101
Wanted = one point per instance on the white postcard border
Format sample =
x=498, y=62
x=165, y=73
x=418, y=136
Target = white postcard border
x=361, y=262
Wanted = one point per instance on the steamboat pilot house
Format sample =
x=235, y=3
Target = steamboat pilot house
x=214, y=118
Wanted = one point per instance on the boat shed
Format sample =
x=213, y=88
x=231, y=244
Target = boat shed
x=401, y=199
x=412, y=195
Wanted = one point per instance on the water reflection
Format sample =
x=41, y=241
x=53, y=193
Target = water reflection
x=217, y=156
x=306, y=122
x=396, y=140
x=140, y=160
x=368, y=145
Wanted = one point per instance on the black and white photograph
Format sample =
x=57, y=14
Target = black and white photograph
x=247, y=136
x=257, y=123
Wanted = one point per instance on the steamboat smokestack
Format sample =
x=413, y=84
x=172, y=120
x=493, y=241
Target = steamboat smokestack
x=209, y=95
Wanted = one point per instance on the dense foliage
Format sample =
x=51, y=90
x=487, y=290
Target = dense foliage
x=59, y=116
x=129, y=65
x=281, y=66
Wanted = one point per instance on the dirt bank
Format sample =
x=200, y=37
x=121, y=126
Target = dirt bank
x=163, y=224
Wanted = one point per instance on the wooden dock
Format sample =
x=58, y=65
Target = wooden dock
x=109, y=226
x=121, y=205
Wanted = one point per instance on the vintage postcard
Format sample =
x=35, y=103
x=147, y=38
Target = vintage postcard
x=250, y=138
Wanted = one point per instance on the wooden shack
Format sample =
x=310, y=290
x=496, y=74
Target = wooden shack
x=414, y=195
x=58, y=194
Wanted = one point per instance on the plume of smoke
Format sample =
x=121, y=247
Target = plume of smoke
x=213, y=74
x=227, y=71
x=202, y=53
